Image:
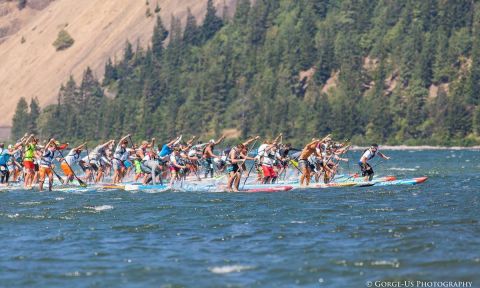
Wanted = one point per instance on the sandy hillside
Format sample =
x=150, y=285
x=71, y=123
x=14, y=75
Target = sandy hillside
x=100, y=29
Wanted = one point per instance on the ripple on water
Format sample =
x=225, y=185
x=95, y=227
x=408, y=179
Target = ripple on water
x=138, y=228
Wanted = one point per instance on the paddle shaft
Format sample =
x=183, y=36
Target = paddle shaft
x=58, y=176
x=248, y=174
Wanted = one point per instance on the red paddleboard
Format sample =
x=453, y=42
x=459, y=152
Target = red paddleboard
x=269, y=189
x=421, y=179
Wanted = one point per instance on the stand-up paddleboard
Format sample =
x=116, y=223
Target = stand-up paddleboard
x=258, y=188
x=268, y=189
x=412, y=181
x=141, y=187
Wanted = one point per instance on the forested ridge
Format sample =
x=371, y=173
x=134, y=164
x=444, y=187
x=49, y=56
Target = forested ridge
x=396, y=72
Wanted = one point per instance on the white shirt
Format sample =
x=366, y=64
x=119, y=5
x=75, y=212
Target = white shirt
x=72, y=157
x=368, y=155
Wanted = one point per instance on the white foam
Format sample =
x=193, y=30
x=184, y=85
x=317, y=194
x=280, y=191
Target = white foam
x=394, y=263
x=101, y=208
x=298, y=222
x=13, y=215
x=59, y=198
x=30, y=203
x=402, y=169
x=229, y=269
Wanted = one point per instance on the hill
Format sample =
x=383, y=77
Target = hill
x=31, y=67
x=397, y=72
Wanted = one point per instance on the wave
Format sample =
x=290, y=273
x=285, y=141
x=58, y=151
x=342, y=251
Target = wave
x=229, y=269
x=100, y=208
x=30, y=203
x=402, y=169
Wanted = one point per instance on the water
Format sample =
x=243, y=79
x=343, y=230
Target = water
x=324, y=238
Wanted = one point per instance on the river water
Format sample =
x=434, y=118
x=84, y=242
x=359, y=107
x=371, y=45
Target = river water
x=338, y=237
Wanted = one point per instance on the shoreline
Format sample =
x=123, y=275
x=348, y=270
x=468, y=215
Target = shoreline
x=417, y=147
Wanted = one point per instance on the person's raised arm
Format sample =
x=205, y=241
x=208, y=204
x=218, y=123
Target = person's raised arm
x=124, y=138
x=190, y=142
x=107, y=143
x=80, y=147
x=246, y=143
x=278, y=138
x=342, y=150
x=52, y=140
x=178, y=140
x=220, y=140
x=28, y=139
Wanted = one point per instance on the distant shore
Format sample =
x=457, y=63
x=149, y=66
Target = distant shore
x=419, y=147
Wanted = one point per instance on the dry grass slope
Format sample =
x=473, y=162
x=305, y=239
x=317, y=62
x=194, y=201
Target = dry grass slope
x=100, y=29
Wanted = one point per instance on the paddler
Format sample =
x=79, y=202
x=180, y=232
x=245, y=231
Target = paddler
x=97, y=159
x=5, y=159
x=304, y=165
x=175, y=166
x=45, y=165
x=119, y=156
x=235, y=163
x=369, y=154
x=30, y=147
x=208, y=155
x=73, y=157
x=167, y=148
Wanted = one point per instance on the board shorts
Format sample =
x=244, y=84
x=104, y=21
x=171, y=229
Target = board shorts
x=173, y=169
x=67, y=170
x=127, y=164
x=366, y=172
x=268, y=171
x=117, y=164
x=302, y=163
x=232, y=168
x=44, y=171
x=28, y=164
x=84, y=165
x=138, y=167
x=145, y=168
x=94, y=165
x=208, y=164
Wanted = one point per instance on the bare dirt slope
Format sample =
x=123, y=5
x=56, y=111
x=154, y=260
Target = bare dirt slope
x=100, y=29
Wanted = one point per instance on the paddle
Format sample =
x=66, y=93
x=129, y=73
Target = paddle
x=293, y=164
x=82, y=184
x=248, y=175
x=58, y=176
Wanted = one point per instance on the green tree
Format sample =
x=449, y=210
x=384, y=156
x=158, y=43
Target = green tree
x=159, y=36
x=63, y=41
x=191, y=32
x=20, y=119
x=33, y=115
x=212, y=23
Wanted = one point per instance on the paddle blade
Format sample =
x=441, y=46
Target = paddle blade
x=82, y=184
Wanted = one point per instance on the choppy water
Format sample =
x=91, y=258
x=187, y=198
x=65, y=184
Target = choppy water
x=323, y=238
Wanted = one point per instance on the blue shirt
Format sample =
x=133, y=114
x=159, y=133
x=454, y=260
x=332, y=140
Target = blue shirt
x=166, y=150
x=4, y=157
